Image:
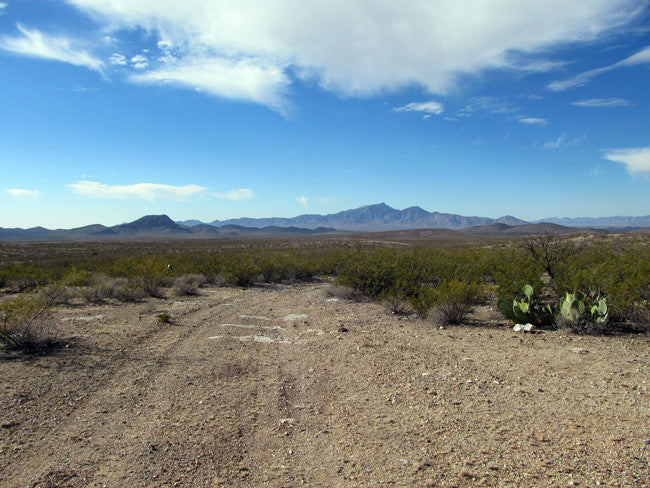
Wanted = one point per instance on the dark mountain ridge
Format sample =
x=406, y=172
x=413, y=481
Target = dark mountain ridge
x=149, y=226
x=370, y=218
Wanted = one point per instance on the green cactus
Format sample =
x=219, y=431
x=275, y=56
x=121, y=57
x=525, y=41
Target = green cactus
x=579, y=307
x=524, y=312
x=599, y=311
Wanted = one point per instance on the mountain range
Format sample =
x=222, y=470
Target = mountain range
x=369, y=218
x=150, y=226
x=380, y=217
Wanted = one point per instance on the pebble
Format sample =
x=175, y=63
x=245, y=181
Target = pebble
x=579, y=350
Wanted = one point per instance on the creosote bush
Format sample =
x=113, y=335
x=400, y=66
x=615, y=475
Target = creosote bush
x=24, y=322
x=188, y=285
x=453, y=300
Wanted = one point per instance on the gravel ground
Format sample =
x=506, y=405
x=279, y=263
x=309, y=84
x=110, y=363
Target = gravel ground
x=285, y=386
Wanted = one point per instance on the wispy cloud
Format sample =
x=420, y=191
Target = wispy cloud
x=636, y=159
x=238, y=80
x=640, y=57
x=36, y=44
x=304, y=201
x=358, y=48
x=240, y=194
x=3, y=5
x=430, y=107
x=564, y=142
x=603, y=102
x=489, y=105
x=540, y=66
x=532, y=120
x=141, y=191
x=23, y=194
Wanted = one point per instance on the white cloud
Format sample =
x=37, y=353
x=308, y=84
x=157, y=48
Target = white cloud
x=541, y=66
x=2, y=6
x=490, y=105
x=564, y=142
x=356, y=47
x=23, y=194
x=641, y=57
x=636, y=159
x=238, y=80
x=142, y=191
x=240, y=194
x=117, y=59
x=304, y=201
x=532, y=120
x=428, y=107
x=139, y=61
x=55, y=48
x=603, y=102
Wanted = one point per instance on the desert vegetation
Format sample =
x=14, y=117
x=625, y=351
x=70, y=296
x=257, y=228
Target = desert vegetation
x=362, y=361
x=588, y=284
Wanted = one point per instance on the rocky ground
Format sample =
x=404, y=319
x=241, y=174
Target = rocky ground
x=286, y=386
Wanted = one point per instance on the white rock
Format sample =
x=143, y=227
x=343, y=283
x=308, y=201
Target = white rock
x=523, y=328
x=579, y=350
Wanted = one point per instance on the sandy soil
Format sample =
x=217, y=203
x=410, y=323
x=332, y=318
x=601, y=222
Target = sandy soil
x=284, y=386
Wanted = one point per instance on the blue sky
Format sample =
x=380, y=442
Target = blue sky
x=215, y=109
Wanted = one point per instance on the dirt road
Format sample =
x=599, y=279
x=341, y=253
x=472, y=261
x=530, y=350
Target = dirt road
x=285, y=386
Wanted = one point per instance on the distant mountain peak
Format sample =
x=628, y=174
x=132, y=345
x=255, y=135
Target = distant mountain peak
x=153, y=221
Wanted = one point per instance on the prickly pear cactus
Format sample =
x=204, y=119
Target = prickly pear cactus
x=523, y=311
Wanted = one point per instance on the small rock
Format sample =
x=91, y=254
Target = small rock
x=343, y=328
x=579, y=350
x=523, y=328
x=466, y=473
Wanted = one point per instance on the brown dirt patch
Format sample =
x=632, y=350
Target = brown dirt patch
x=281, y=396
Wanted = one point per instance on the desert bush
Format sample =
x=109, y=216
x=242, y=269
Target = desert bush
x=188, y=285
x=56, y=293
x=78, y=278
x=379, y=274
x=422, y=301
x=20, y=284
x=395, y=302
x=101, y=288
x=164, y=318
x=622, y=275
x=217, y=280
x=94, y=293
x=124, y=290
x=23, y=322
x=244, y=272
x=346, y=293
x=454, y=299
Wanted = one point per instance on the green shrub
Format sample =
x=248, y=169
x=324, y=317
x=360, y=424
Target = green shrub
x=164, y=318
x=454, y=299
x=244, y=272
x=422, y=301
x=23, y=324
